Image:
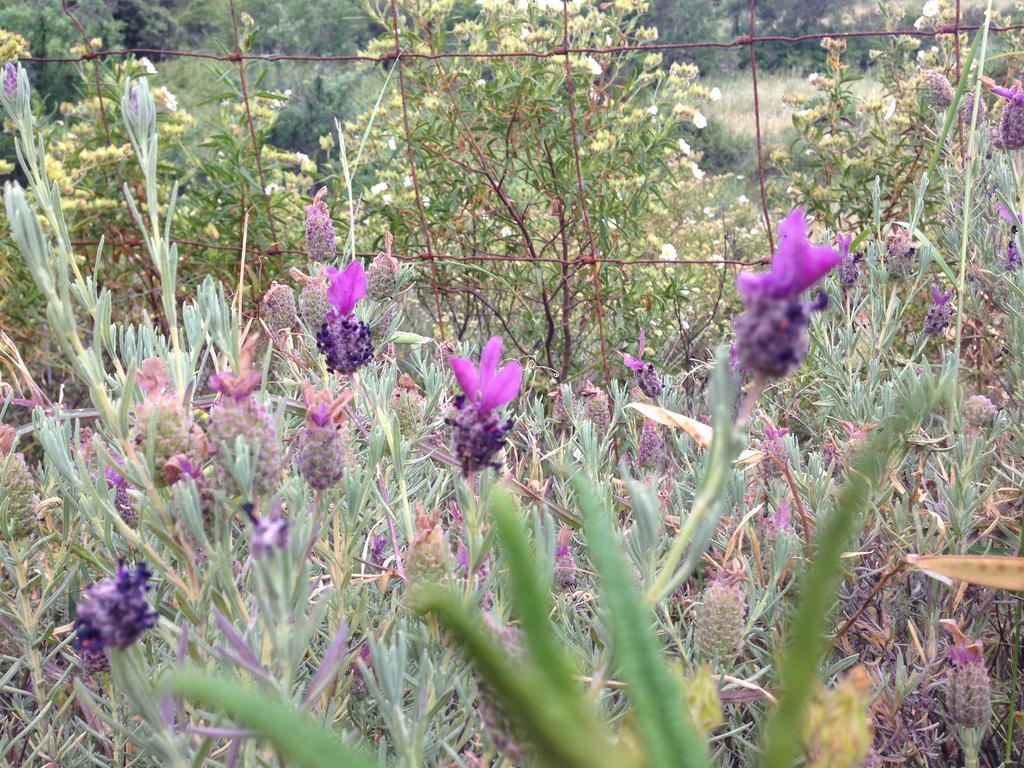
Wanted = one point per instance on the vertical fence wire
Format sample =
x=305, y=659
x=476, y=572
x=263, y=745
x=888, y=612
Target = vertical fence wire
x=757, y=127
x=411, y=155
x=592, y=255
x=243, y=81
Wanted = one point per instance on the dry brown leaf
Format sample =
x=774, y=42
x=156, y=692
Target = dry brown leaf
x=1000, y=572
x=698, y=431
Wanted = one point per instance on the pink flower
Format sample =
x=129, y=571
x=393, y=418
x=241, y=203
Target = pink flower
x=796, y=266
x=488, y=387
x=346, y=287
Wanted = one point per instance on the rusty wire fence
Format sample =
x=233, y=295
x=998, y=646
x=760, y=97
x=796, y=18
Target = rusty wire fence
x=588, y=261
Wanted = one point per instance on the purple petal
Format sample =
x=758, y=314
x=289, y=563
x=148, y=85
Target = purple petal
x=346, y=287
x=939, y=297
x=503, y=388
x=489, y=360
x=466, y=375
x=1011, y=217
x=796, y=265
x=844, y=242
x=633, y=363
x=1006, y=93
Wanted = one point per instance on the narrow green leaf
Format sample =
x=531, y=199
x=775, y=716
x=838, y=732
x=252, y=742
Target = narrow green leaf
x=530, y=598
x=562, y=736
x=303, y=742
x=658, y=702
x=805, y=644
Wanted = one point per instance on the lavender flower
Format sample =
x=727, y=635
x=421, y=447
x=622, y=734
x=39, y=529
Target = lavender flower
x=849, y=267
x=114, y=612
x=771, y=336
x=278, y=307
x=939, y=313
x=320, y=451
x=565, y=560
x=776, y=455
x=938, y=88
x=11, y=80
x=1011, y=121
x=122, y=501
x=344, y=339
x=239, y=414
x=269, y=535
x=133, y=103
x=477, y=434
x=321, y=241
x=646, y=376
x=378, y=550
x=382, y=275
x=1013, y=260
x=968, y=689
x=649, y=446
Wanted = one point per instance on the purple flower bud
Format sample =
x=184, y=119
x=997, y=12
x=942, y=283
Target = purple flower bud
x=345, y=342
x=133, y=102
x=343, y=339
x=771, y=336
x=114, y=612
x=378, y=550
x=565, y=560
x=11, y=80
x=646, y=376
x=269, y=535
x=939, y=313
x=1011, y=120
x=1013, y=261
x=968, y=688
x=939, y=89
x=321, y=240
x=477, y=434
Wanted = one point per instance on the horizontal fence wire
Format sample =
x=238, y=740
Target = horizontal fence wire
x=588, y=256
x=557, y=52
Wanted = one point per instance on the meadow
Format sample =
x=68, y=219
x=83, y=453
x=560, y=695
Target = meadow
x=503, y=409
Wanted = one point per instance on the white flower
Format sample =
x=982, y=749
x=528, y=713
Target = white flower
x=931, y=8
x=890, y=110
x=684, y=147
x=919, y=23
x=652, y=110
x=392, y=143
x=169, y=99
x=481, y=82
x=668, y=252
x=386, y=199
x=716, y=94
x=270, y=189
x=301, y=157
x=426, y=201
x=407, y=182
x=699, y=120
x=505, y=231
x=379, y=187
x=698, y=174
x=593, y=65
x=147, y=65
x=742, y=200
x=612, y=224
